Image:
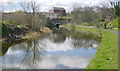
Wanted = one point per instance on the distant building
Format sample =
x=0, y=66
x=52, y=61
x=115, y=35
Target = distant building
x=58, y=10
x=55, y=12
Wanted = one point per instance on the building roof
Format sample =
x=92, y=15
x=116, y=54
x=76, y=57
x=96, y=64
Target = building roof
x=58, y=8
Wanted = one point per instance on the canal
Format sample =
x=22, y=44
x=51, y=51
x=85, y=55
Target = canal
x=60, y=50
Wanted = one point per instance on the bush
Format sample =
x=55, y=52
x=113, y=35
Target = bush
x=101, y=19
x=5, y=22
x=114, y=23
x=45, y=30
x=100, y=23
x=105, y=25
x=5, y=31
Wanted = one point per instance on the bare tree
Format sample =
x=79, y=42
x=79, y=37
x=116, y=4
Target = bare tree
x=105, y=10
x=32, y=12
x=26, y=7
x=84, y=14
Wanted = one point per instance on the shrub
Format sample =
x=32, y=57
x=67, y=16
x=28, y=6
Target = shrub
x=5, y=31
x=45, y=30
x=98, y=25
x=114, y=23
x=101, y=19
x=105, y=25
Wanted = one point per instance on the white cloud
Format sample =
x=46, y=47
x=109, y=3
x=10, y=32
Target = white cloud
x=54, y=62
x=67, y=4
x=46, y=62
x=51, y=46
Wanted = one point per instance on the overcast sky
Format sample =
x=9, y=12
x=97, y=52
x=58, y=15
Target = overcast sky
x=11, y=5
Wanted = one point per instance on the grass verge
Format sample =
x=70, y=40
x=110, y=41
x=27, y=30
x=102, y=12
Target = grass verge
x=106, y=56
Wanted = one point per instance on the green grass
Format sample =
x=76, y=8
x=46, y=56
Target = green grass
x=66, y=17
x=113, y=30
x=107, y=49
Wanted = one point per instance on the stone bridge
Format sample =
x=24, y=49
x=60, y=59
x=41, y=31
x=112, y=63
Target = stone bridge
x=58, y=21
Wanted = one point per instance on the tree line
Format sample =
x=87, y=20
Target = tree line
x=92, y=15
x=29, y=16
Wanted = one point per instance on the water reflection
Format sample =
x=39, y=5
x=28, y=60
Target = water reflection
x=55, y=51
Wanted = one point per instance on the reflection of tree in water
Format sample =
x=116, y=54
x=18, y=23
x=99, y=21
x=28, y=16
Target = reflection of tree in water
x=83, y=39
x=58, y=36
x=79, y=39
x=84, y=43
x=6, y=46
x=33, y=53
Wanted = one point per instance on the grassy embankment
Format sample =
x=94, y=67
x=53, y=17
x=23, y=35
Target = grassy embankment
x=106, y=56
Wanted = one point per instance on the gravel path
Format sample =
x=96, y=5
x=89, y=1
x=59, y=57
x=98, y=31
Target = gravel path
x=115, y=32
x=118, y=37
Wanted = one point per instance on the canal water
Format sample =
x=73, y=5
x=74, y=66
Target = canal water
x=59, y=50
